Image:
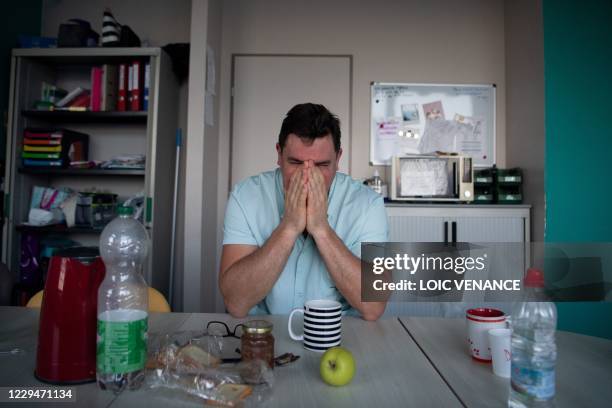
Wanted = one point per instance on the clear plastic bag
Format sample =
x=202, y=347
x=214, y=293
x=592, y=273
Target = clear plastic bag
x=192, y=363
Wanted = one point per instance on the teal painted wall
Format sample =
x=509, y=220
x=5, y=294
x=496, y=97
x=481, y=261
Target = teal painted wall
x=578, y=170
x=21, y=17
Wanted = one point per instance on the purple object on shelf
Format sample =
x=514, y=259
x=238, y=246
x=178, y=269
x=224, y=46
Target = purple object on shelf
x=29, y=267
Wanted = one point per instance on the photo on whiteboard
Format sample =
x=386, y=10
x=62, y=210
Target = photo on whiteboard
x=433, y=110
x=410, y=113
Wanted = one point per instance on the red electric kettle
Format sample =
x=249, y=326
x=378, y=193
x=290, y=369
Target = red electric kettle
x=67, y=329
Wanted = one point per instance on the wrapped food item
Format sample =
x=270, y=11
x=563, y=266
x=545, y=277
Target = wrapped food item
x=191, y=363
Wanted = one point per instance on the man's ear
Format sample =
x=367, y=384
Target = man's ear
x=280, y=153
x=338, y=155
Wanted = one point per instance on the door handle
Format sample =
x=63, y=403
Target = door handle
x=454, y=233
x=446, y=232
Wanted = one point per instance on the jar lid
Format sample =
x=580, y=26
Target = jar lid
x=258, y=326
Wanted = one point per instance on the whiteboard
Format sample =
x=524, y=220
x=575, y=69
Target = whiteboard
x=423, y=118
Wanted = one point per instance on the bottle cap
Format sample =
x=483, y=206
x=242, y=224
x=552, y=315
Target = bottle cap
x=125, y=210
x=534, y=278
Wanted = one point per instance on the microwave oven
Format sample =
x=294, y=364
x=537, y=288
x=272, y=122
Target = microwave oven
x=431, y=178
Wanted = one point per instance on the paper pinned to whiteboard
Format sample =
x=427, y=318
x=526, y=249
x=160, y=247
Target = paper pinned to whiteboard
x=471, y=142
x=388, y=128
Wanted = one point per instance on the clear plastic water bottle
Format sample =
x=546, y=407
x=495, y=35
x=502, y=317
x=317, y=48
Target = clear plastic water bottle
x=377, y=182
x=122, y=305
x=534, y=352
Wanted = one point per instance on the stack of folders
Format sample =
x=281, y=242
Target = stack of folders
x=53, y=147
x=112, y=87
x=133, y=86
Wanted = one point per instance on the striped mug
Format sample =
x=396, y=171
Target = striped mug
x=322, y=324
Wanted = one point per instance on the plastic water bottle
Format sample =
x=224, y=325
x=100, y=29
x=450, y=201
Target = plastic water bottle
x=534, y=352
x=377, y=182
x=122, y=305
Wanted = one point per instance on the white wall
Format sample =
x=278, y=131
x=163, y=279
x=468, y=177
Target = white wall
x=212, y=160
x=525, y=102
x=202, y=162
x=193, y=278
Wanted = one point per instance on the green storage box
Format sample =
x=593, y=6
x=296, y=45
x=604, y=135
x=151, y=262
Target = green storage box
x=484, y=176
x=509, y=194
x=509, y=176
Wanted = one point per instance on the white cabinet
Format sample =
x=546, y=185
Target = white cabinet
x=458, y=223
x=501, y=231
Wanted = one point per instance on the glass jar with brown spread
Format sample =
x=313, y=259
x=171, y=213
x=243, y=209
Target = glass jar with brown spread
x=257, y=342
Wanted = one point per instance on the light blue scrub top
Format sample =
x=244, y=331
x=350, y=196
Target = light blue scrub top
x=254, y=210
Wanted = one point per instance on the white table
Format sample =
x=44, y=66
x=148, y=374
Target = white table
x=19, y=328
x=391, y=370
x=584, y=365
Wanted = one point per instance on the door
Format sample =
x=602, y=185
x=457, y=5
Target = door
x=265, y=87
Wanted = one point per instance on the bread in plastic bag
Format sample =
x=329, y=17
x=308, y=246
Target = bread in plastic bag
x=192, y=363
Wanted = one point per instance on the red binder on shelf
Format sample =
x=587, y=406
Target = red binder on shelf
x=96, y=89
x=44, y=134
x=42, y=141
x=83, y=101
x=129, y=86
x=137, y=82
x=122, y=96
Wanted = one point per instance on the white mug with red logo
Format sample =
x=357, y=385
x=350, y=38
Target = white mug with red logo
x=480, y=321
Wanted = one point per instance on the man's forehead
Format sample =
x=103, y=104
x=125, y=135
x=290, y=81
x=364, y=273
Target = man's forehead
x=307, y=149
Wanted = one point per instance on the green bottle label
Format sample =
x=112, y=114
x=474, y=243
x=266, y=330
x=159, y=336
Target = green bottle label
x=121, y=346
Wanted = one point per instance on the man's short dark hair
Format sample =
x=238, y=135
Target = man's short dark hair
x=310, y=121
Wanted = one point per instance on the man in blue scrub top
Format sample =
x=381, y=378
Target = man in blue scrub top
x=294, y=234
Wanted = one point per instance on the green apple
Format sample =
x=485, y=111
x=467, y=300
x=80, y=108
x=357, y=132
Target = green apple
x=337, y=366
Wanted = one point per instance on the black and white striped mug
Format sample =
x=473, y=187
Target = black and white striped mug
x=322, y=324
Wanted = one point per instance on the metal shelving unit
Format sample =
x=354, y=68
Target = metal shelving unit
x=150, y=132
